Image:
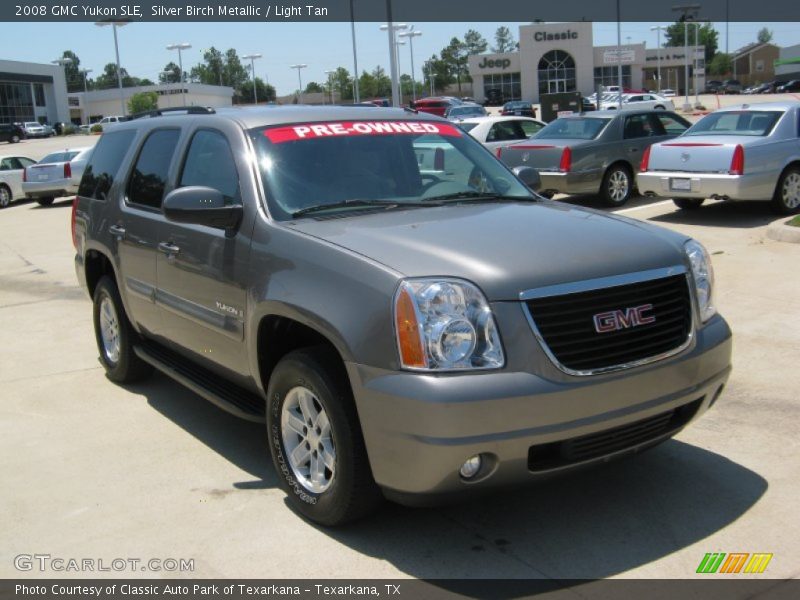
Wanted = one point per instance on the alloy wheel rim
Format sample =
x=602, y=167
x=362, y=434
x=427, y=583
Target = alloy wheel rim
x=618, y=186
x=307, y=440
x=5, y=197
x=109, y=330
x=791, y=191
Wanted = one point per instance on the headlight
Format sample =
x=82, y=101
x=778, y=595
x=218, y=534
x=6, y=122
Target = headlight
x=444, y=325
x=703, y=276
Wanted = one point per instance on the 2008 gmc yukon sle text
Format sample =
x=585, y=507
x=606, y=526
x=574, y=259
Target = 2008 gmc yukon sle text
x=409, y=319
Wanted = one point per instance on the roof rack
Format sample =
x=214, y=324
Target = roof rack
x=188, y=110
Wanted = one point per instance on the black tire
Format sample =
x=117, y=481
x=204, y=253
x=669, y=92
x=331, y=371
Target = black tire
x=688, y=203
x=5, y=196
x=351, y=492
x=658, y=107
x=127, y=367
x=15, y=139
x=786, y=192
x=614, y=172
x=546, y=194
x=45, y=201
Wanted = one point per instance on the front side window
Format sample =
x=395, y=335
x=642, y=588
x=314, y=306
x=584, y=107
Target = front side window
x=375, y=163
x=149, y=176
x=104, y=166
x=672, y=125
x=209, y=163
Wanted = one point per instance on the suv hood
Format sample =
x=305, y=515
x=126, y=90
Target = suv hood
x=503, y=248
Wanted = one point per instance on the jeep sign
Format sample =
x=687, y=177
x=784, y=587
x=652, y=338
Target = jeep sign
x=502, y=63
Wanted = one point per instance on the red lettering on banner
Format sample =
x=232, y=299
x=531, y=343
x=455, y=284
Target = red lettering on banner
x=278, y=135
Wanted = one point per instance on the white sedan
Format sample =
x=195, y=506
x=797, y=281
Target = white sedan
x=495, y=132
x=640, y=102
x=11, y=170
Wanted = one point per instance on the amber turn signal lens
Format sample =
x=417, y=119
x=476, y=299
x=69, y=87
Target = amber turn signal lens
x=412, y=353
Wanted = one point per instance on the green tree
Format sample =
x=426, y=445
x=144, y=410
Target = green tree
x=265, y=92
x=171, y=74
x=142, y=101
x=378, y=84
x=313, y=88
x=764, y=36
x=439, y=70
x=108, y=78
x=233, y=73
x=72, y=72
x=342, y=83
x=211, y=70
x=455, y=56
x=475, y=42
x=706, y=36
x=721, y=64
x=503, y=40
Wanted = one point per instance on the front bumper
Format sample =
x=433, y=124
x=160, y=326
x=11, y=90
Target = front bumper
x=419, y=429
x=574, y=182
x=703, y=185
x=55, y=188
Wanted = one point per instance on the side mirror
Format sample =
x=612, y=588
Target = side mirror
x=529, y=176
x=201, y=205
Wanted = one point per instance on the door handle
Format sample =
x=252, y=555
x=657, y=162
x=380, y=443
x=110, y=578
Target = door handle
x=168, y=248
x=117, y=231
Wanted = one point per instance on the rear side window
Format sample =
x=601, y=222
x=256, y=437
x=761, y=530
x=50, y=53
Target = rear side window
x=671, y=125
x=105, y=163
x=149, y=176
x=209, y=163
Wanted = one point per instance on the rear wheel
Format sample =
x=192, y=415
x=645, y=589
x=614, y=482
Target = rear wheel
x=5, y=196
x=45, y=201
x=115, y=336
x=688, y=203
x=15, y=139
x=658, y=107
x=316, y=441
x=617, y=185
x=786, y=200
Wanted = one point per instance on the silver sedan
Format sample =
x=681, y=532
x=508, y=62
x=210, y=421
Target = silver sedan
x=746, y=152
x=57, y=174
x=496, y=132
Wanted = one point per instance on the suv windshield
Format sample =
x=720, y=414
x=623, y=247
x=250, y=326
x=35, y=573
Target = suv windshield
x=372, y=165
x=575, y=128
x=746, y=122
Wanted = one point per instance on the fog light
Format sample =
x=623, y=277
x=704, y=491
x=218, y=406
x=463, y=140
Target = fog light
x=471, y=467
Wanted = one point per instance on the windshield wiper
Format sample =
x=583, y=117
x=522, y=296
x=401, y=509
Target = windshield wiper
x=361, y=202
x=480, y=197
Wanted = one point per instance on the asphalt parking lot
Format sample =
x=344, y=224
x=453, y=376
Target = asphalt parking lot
x=95, y=470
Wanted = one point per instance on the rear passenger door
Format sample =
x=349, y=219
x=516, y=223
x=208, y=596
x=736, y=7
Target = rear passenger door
x=637, y=134
x=201, y=269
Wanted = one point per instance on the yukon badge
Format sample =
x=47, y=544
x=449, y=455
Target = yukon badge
x=616, y=320
x=229, y=309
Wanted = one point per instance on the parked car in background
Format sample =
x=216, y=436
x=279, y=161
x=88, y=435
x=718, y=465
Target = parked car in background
x=49, y=131
x=594, y=153
x=57, y=174
x=464, y=111
x=469, y=99
x=668, y=93
x=789, y=86
x=496, y=132
x=494, y=97
x=747, y=152
x=713, y=86
x=587, y=105
x=34, y=129
x=383, y=102
x=766, y=88
x=518, y=108
x=12, y=169
x=731, y=86
x=435, y=105
x=11, y=133
x=106, y=121
x=637, y=102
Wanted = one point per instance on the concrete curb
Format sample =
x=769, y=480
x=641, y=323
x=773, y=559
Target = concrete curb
x=782, y=232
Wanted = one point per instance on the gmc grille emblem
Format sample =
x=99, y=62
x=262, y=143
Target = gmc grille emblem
x=616, y=320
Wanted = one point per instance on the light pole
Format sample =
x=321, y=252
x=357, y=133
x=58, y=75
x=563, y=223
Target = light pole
x=356, y=94
x=252, y=58
x=330, y=85
x=658, y=28
x=299, y=79
x=399, y=43
x=179, y=47
x=619, y=58
x=411, y=34
x=694, y=63
x=115, y=25
x=391, y=28
x=689, y=13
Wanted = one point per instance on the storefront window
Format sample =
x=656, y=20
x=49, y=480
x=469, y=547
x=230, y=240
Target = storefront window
x=507, y=83
x=609, y=76
x=16, y=102
x=557, y=73
x=38, y=90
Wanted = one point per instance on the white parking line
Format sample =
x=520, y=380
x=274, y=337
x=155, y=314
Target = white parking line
x=627, y=210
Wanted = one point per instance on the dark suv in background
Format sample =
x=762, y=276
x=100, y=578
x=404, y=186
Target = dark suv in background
x=11, y=133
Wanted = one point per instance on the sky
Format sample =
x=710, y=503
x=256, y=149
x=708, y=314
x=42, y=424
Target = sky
x=322, y=46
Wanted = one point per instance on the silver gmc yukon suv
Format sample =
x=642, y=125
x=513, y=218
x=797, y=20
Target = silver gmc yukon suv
x=407, y=317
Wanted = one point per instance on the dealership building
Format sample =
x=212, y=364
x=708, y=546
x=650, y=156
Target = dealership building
x=32, y=92
x=561, y=57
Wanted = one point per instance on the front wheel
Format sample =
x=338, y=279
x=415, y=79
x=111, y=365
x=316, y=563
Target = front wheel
x=688, y=203
x=786, y=200
x=316, y=441
x=115, y=335
x=14, y=139
x=5, y=196
x=617, y=186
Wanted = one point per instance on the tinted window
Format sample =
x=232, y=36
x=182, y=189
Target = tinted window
x=638, y=126
x=105, y=163
x=149, y=176
x=530, y=127
x=671, y=124
x=59, y=157
x=467, y=126
x=209, y=163
x=7, y=164
x=26, y=162
x=573, y=129
x=749, y=122
x=504, y=131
